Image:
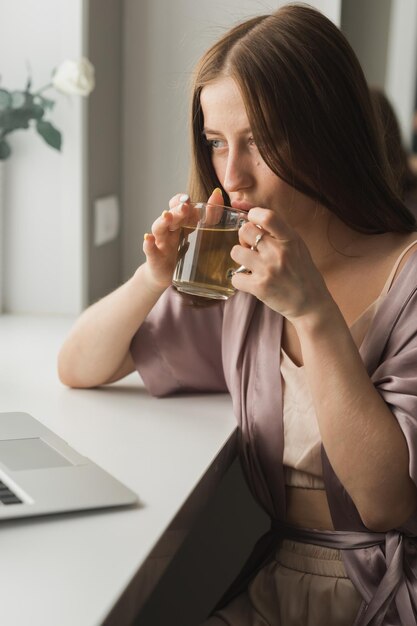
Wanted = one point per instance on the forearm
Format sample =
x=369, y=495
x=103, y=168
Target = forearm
x=98, y=345
x=361, y=436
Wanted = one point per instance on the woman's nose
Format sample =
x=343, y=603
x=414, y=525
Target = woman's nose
x=237, y=174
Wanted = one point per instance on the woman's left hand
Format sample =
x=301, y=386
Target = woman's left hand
x=282, y=272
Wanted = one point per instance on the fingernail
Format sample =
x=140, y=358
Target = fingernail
x=242, y=270
x=184, y=197
x=219, y=190
x=165, y=213
x=146, y=236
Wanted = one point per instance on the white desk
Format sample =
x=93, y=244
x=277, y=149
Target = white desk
x=86, y=569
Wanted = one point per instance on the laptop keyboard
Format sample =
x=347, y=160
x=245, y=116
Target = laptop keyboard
x=7, y=496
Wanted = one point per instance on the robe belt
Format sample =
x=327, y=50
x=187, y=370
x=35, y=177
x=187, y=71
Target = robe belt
x=393, y=584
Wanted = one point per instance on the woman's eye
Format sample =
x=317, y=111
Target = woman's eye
x=215, y=144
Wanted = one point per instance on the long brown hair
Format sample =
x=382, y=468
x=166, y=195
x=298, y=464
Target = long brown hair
x=311, y=116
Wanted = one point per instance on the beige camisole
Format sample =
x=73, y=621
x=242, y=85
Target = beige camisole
x=302, y=441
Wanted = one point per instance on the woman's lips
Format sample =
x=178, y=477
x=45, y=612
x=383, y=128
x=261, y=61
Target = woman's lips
x=241, y=205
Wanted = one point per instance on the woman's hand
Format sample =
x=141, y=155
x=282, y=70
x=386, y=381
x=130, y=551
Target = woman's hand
x=161, y=245
x=282, y=272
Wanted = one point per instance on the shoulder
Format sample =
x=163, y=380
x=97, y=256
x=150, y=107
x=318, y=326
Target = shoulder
x=393, y=332
x=404, y=287
x=409, y=249
x=399, y=306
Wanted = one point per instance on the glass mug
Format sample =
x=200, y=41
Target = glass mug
x=204, y=266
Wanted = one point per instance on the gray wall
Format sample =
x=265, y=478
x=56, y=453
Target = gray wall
x=383, y=34
x=366, y=26
x=104, y=138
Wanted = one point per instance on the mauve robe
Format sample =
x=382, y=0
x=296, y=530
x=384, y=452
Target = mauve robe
x=235, y=347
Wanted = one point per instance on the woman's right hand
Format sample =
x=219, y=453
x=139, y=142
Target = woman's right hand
x=161, y=245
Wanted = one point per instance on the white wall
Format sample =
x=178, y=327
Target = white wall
x=162, y=42
x=45, y=221
x=44, y=192
x=331, y=8
x=401, y=72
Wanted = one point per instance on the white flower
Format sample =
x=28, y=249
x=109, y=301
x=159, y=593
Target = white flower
x=75, y=77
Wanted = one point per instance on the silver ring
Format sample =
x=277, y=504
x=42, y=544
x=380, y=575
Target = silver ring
x=242, y=269
x=257, y=240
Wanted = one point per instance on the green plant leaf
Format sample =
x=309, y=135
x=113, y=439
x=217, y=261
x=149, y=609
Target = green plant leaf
x=46, y=103
x=18, y=99
x=5, y=99
x=12, y=119
x=4, y=150
x=36, y=111
x=49, y=133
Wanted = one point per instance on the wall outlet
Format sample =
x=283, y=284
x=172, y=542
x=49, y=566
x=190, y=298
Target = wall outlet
x=106, y=219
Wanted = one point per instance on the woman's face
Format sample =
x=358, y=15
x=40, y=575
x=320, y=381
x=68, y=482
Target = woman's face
x=238, y=164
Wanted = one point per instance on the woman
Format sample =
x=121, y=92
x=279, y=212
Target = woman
x=317, y=347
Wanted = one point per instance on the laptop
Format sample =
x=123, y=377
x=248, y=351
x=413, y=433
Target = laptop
x=41, y=474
